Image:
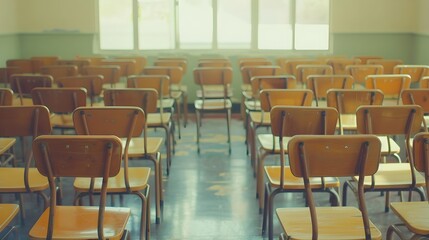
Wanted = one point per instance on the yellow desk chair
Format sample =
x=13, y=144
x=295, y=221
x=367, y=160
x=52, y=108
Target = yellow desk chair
x=111, y=74
x=92, y=83
x=346, y=101
x=320, y=84
x=305, y=70
x=7, y=214
x=23, y=121
x=287, y=122
x=127, y=123
x=213, y=76
x=390, y=84
x=82, y=157
x=359, y=73
x=315, y=157
x=79, y=63
x=23, y=84
x=417, y=97
x=416, y=72
x=414, y=215
x=387, y=121
x=388, y=64
x=59, y=71
x=339, y=65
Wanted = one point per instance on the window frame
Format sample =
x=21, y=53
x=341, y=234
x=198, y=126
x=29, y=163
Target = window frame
x=214, y=49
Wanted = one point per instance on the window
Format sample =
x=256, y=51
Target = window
x=214, y=24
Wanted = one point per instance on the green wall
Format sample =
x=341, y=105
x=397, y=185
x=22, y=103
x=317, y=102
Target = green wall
x=9, y=48
x=421, y=49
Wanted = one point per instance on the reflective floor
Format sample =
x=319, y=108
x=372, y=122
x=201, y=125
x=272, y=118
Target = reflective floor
x=210, y=195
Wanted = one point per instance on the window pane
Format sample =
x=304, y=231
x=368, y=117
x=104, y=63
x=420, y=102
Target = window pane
x=116, y=24
x=234, y=23
x=156, y=24
x=312, y=25
x=195, y=24
x=274, y=28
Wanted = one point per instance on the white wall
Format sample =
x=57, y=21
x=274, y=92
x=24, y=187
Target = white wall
x=56, y=15
x=7, y=16
x=375, y=16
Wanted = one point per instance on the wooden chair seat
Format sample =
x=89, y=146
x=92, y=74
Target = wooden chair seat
x=12, y=180
x=154, y=119
x=296, y=183
x=213, y=104
x=347, y=224
x=6, y=144
x=413, y=215
x=138, y=178
x=256, y=117
x=62, y=121
x=137, y=145
x=82, y=223
x=213, y=91
x=25, y=101
x=266, y=143
x=7, y=214
x=252, y=105
x=348, y=122
x=393, y=175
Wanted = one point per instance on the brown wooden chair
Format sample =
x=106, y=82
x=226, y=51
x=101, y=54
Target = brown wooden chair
x=23, y=84
x=92, y=157
x=413, y=215
x=288, y=66
x=6, y=73
x=365, y=58
x=23, y=121
x=42, y=61
x=416, y=72
x=287, y=122
x=111, y=74
x=346, y=101
x=388, y=64
x=321, y=84
x=127, y=123
x=140, y=62
x=177, y=86
x=94, y=60
x=269, y=99
x=127, y=67
x=175, y=75
x=360, y=72
x=61, y=103
x=417, y=97
x=7, y=214
x=305, y=70
x=339, y=65
x=25, y=65
x=211, y=76
x=92, y=83
x=79, y=63
x=388, y=121
x=390, y=84
x=315, y=157
x=59, y=71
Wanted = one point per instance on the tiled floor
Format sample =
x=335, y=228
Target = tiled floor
x=210, y=195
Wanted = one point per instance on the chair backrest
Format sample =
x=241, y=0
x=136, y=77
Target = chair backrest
x=174, y=73
x=359, y=72
x=161, y=83
x=23, y=121
x=77, y=156
x=79, y=63
x=127, y=67
x=244, y=62
x=94, y=60
x=390, y=84
x=248, y=72
x=59, y=100
x=421, y=155
x=320, y=84
x=289, y=65
x=111, y=74
x=144, y=98
x=25, y=65
x=388, y=64
x=424, y=82
x=339, y=64
x=140, y=62
x=346, y=101
x=42, y=61
x=416, y=72
x=291, y=121
x=59, y=71
x=6, y=73
x=172, y=63
x=416, y=97
x=92, y=83
x=364, y=59
x=23, y=84
x=334, y=156
x=6, y=97
x=303, y=71
x=259, y=83
x=285, y=97
x=208, y=63
x=213, y=75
